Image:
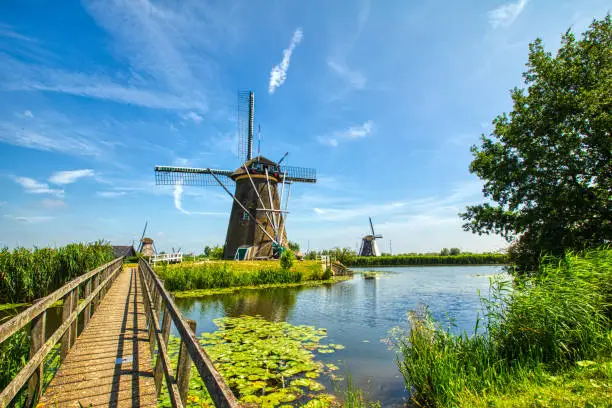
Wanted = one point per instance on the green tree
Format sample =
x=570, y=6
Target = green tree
x=286, y=259
x=444, y=252
x=216, y=252
x=207, y=250
x=547, y=166
x=294, y=246
x=454, y=251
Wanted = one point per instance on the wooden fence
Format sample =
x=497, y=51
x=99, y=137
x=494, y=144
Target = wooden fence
x=91, y=287
x=156, y=299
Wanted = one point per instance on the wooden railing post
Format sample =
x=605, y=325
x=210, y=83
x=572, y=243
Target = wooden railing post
x=74, y=325
x=66, y=311
x=87, y=311
x=37, y=334
x=158, y=373
x=184, y=367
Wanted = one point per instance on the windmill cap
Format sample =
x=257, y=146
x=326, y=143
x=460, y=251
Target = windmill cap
x=240, y=170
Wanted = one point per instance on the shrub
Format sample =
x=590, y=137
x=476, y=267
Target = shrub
x=286, y=259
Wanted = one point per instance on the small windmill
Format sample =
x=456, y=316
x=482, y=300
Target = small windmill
x=146, y=246
x=259, y=212
x=368, y=243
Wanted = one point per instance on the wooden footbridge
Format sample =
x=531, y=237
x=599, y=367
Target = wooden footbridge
x=112, y=347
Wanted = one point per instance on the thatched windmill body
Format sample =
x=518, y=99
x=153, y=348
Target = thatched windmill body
x=262, y=189
x=368, y=243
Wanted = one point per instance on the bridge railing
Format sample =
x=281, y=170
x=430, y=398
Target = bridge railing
x=91, y=287
x=156, y=300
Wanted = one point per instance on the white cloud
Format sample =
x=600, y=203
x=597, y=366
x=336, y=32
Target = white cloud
x=48, y=138
x=28, y=114
x=504, y=15
x=110, y=194
x=34, y=187
x=353, y=132
x=178, y=198
x=279, y=72
x=192, y=116
x=70, y=176
x=49, y=203
x=354, y=78
x=30, y=219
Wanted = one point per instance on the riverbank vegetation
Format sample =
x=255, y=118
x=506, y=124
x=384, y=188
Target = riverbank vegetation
x=189, y=276
x=406, y=260
x=551, y=326
x=28, y=274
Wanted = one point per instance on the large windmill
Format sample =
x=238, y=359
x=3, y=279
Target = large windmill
x=259, y=211
x=368, y=243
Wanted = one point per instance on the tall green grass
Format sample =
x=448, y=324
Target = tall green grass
x=222, y=275
x=399, y=260
x=28, y=274
x=537, y=325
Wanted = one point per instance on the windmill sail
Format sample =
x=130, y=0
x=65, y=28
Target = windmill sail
x=166, y=175
x=299, y=174
x=245, y=122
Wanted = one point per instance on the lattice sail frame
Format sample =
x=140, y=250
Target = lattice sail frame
x=171, y=176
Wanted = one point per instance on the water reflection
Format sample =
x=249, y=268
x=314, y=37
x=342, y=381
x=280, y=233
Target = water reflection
x=358, y=314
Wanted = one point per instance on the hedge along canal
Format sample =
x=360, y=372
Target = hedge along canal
x=357, y=314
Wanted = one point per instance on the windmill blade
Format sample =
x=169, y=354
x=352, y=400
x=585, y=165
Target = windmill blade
x=144, y=231
x=372, y=227
x=299, y=174
x=245, y=114
x=186, y=176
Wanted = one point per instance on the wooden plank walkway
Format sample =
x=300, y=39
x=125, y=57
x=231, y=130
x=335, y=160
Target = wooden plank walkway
x=110, y=363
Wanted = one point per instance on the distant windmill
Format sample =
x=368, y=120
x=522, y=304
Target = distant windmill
x=146, y=246
x=259, y=212
x=368, y=243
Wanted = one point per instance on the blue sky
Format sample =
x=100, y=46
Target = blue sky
x=383, y=98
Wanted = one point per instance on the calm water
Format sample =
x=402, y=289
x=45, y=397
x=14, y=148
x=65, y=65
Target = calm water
x=359, y=314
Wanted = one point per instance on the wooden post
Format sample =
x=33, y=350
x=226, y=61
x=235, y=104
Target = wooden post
x=87, y=310
x=37, y=333
x=151, y=324
x=158, y=372
x=66, y=311
x=74, y=306
x=184, y=367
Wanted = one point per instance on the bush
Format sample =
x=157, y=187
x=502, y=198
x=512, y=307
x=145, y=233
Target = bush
x=216, y=253
x=286, y=259
x=327, y=275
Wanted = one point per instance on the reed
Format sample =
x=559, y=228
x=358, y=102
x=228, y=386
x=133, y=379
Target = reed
x=214, y=275
x=532, y=328
x=28, y=274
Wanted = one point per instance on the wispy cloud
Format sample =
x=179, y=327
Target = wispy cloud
x=50, y=203
x=178, y=198
x=279, y=72
x=30, y=219
x=355, y=79
x=110, y=194
x=504, y=15
x=192, y=116
x=52, y=139
x=32, y=186
x=353, y=132
x=28, y=114
x=70, y=176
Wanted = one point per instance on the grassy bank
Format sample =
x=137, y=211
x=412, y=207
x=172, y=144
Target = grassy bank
x=28, y=274
x=189, y=276
x=407, y=260
x=543, y=330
